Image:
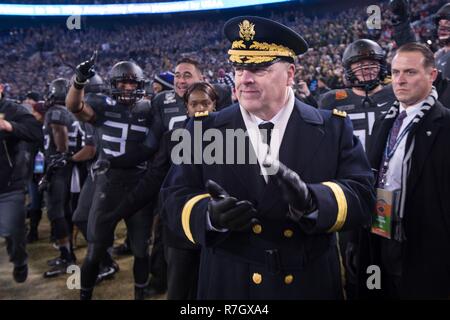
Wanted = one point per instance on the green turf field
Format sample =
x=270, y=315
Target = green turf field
x=36, y=287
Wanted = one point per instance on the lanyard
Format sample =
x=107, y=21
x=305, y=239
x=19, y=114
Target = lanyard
x=388, y=153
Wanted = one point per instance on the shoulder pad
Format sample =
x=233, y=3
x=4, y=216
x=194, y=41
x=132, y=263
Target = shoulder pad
x=339, y=113
x=341, y=94
x=110, y=101
x=143, y=104
x=200, y=115
x=95, y=99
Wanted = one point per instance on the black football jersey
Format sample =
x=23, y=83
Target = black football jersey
x=170, y=107
x=442, y=82
x=443, y=63
x=121, y=129
x=87, y=133
x=60, y=115
x=172, y=110
x=363, y=115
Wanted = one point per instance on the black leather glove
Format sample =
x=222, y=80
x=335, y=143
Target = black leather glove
x=295, y=191
x=101, y=166
x=400, y=10
x=43, y=184
x=59, y=160
x=55, y=162
x=227, y=212
x=85, y=70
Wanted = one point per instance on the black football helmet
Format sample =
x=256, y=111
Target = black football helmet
x=443, y=32
x=127, y=71
x=95, y=85
x=57, y=92
x=364, y=49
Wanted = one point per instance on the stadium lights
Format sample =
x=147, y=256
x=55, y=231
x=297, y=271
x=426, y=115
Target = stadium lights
x=124, y=9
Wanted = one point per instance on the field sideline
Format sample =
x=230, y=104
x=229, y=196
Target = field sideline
x=38, y=288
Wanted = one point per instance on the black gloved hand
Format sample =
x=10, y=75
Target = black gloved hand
x=295, y=191
x=59, y=160
x=227, y=212
x=85, y=70
x=400, y=10
x=55, y=162
x=43, y=184
x=101, y=166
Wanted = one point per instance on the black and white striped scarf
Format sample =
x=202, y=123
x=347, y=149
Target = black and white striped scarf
x=426, y=106
x=406, y=166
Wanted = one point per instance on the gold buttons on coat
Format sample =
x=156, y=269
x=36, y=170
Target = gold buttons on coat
x=288, y=233
x=288, y=279
x=257, y=228
x=257, y=278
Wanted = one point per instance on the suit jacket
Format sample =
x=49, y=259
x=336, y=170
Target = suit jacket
x=277, y=259
x=425, y=255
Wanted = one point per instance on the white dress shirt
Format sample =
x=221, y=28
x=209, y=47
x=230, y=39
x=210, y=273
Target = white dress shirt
x=280, y=121
x=394, y=172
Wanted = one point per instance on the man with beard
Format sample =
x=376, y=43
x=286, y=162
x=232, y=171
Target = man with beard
x=129, y=133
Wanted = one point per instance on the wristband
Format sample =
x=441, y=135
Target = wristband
x=81, y=109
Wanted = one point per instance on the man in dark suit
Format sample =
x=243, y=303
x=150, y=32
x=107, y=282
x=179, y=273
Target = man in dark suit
x=265, y=232
x=410, y=151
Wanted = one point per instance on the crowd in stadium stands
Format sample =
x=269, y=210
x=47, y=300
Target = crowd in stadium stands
x=39, y=55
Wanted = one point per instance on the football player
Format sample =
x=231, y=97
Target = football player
x=128, y=133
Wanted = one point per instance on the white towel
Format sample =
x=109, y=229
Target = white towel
x=75, y=180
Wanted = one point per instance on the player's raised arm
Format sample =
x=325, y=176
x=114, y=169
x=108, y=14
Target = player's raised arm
x=75, y=98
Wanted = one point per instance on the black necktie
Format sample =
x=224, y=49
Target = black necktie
x=266, y=131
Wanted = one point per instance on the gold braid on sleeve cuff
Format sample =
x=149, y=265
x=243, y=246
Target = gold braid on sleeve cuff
x=186, y=214
x=341, y=204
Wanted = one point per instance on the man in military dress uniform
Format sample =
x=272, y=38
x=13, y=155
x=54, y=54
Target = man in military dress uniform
x=269, y=233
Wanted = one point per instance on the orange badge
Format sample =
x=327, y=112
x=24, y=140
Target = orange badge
x=341, y=95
